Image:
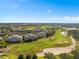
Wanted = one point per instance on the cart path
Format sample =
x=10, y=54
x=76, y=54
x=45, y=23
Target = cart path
x=58, y=50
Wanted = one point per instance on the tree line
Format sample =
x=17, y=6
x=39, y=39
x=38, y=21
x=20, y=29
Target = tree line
x=73, y=55
x=74, y=34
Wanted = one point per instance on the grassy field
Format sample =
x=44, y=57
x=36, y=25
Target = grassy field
x=37, y=46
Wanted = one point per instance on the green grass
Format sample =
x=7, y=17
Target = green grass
x=3, y=57
x=38, y=46
x=41, y=58
x=57, y=57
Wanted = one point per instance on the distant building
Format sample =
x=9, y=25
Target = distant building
x=37, y=30
x=2, y=34
x=1, y=38
x=41, y=34
x=14, y=39
x=30, y=37
x=71, y=28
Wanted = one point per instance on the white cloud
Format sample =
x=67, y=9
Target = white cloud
x=65, y=18
x=49, y=11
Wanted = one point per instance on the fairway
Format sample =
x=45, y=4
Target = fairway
x=37, y=46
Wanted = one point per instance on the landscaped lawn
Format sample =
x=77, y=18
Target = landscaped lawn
x=37, y=46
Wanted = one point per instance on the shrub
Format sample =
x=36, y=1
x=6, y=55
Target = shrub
x=34, y=57
x=49, y=56
x=21, y=57
x=28, y=56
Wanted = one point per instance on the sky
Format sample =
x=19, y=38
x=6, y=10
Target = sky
x=39, y=11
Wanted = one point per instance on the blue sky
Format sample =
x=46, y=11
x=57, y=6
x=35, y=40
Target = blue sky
x=39, y=11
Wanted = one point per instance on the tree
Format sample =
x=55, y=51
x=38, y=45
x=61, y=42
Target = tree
x=49, y=56
x=34, y=57
x=64, y=56
x=28, y=56
x=76, y=55
x=21, y=57
x=74, y=34
x=74, y=52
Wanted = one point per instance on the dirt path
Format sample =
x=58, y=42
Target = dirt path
x=58, y=50
x=7, y=49
x=10, y=47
